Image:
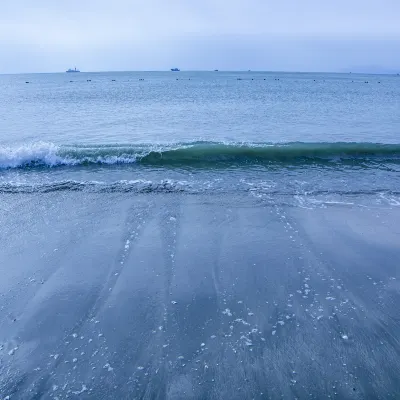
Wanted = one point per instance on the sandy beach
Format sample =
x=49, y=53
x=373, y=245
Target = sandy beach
x=197, y=296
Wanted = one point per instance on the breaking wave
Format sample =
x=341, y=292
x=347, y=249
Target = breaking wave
x=42, y=154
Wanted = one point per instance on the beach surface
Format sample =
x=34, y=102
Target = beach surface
x=197, y=296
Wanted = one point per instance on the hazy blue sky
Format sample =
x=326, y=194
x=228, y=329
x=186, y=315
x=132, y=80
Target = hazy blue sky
x=322, y=35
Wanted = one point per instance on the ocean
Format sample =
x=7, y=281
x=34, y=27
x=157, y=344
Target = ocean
x=199, y=235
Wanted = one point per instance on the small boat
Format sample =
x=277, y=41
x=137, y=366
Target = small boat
x=175, y=69
x=72, y=70
x=215, y=70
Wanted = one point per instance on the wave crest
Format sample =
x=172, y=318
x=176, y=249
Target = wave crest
x=193, y=154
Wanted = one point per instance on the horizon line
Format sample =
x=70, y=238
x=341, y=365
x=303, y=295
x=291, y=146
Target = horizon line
x=210, y=70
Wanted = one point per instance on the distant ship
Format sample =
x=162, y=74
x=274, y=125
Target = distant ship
x=72, y=70
x=215, y=70
x=175, y=69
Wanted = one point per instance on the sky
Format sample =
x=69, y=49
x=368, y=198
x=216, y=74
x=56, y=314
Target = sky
x=124, y=35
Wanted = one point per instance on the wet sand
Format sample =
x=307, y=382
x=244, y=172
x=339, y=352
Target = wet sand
x=173, y=296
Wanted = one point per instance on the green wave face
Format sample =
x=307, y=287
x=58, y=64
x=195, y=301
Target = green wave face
x=207, y=154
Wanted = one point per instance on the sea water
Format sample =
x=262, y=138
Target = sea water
x=199, y=235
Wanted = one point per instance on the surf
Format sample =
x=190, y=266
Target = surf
x=208, y=154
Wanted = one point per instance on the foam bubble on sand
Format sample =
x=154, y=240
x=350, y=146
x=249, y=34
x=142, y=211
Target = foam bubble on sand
x=12, y=351
x=241, y=321
x=247, y=341
x=227, y=312
x=84, y=389
x=273, y=333
x=108, y=367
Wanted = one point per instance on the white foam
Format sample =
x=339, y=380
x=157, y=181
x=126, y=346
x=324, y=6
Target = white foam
x=12, y=351
x=227, y=312
x=84, y=389
x=39, y=152
x=49, y=154
x=109, y=369
x=390, y=199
